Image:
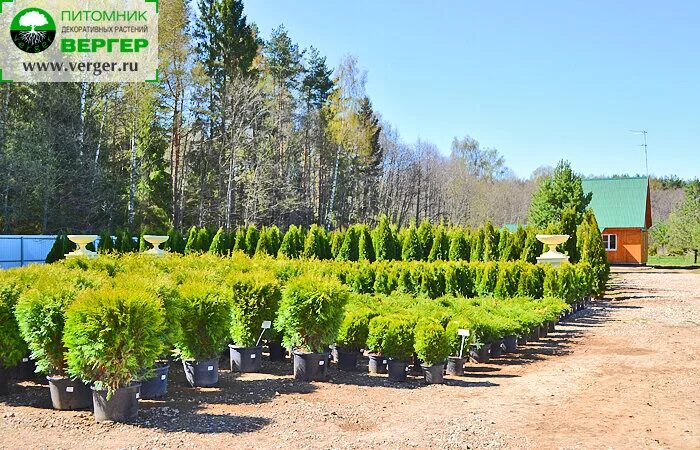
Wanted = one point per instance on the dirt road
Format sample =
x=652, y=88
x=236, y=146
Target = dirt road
x=623, y=374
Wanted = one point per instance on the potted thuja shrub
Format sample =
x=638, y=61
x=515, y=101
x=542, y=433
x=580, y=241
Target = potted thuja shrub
x=310, y=314
x=111, y=334
x=206, y=312
x=256, y=297
x=432, y=348
x=352, y=337
x=155, y=385
x=40, y=313
x=398, y=346
x=12, y=346
x=376, y=338
x=459, y=337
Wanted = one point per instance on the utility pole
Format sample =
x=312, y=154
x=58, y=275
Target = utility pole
x=646, y=158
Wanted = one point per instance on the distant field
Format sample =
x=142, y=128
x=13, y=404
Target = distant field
x=681, y=261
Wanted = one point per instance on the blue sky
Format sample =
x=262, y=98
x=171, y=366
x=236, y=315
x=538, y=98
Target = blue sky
x=539, y=80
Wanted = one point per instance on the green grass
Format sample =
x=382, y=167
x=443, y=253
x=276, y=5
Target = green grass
x=672, y=261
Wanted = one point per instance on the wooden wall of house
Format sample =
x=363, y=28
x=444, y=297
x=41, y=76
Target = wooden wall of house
x=632, y=246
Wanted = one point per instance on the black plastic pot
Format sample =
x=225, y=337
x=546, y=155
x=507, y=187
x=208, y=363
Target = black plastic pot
x=377, y=364
x=480, y=354
x=277, y=352
x=417, y=366
x=551, y=326
x=69, y=395
x=203, y=373
x=26, y=369
x=496, y=349
x=455, y=365
x=434, y=374
x=534, y=335
x=397, y=370
x=310, y=366
x=510, y=344
x=157, y=385
x=543, y=330
x=522, y=340
x=4, y=381
x=347, y=359
x=122, y=407
x=245, y=359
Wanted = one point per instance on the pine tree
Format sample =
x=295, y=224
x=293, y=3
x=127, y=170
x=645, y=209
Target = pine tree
x=292, y=244
x=477, y=246
x=316, y=245
x=105, y=245
x=568, y=226
x=275, y=238
x=58, y=250
x=592, y=251
x=564, y=189
x=490, y=243
x=505, y=245
x=203, y=241
x=532, y=247
x=264, y=247
x=518, y=243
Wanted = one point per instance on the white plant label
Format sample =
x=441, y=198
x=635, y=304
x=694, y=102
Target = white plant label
x=163, y=377
x=69, y=389
x=384, y=362
x=320, y=363
x=210, y=368
x=138, y=395
x=253, y=356
x=463, y=332
x=24, y=360
x=266, y=324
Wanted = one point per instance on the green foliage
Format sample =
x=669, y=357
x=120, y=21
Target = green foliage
x=568, y=225
x=251, y=239
x=433, y=281
x=384, y=240
x=426, y=236
x=12, y=347
x=354, y=329
x=205, y=321
x=350, y=250
x=265, y=245
x=292, y=244
x=532, y=248
x=256, y=297
x=361, y=278
x=563, y=190
x=60, y=247
x=191, y=246
x=112, y=334
x=592, y=251
x=365, y=245
x=412, y=245
x=316, y=245
x=505, y=245
x=106, y=245
x=684, y=222
x=455, y=340
x=219, y=245
x=459, y=247
x=488, y=279
x=176, y=242
x=385, y=281
x=399, y=340
x=477, y=246
x=311, y=312
x=41, y=317
x=241, y=245
x=337, y=243
x=376, y=336
x=490, y=243
x=441, y=246
x=432, y=345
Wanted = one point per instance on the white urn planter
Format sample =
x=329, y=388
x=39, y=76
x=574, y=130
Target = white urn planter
x=155, y=241
x=552, y=256
x=81, y=240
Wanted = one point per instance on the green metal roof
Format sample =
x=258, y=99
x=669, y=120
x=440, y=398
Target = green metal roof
x=619, y=202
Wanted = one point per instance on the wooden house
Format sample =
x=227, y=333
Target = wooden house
x=622, y=207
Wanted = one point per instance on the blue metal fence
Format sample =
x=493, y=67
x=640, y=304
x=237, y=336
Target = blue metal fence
x=22, y=250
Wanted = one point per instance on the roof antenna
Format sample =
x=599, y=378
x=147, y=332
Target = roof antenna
x=646, y=158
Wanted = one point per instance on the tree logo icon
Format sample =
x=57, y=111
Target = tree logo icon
x=33, y=30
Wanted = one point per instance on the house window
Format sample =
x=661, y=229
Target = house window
x=610, y=242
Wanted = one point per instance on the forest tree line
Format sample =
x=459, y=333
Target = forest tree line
x=240, y=131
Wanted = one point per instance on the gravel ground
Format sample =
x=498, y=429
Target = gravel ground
x=622, y=374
